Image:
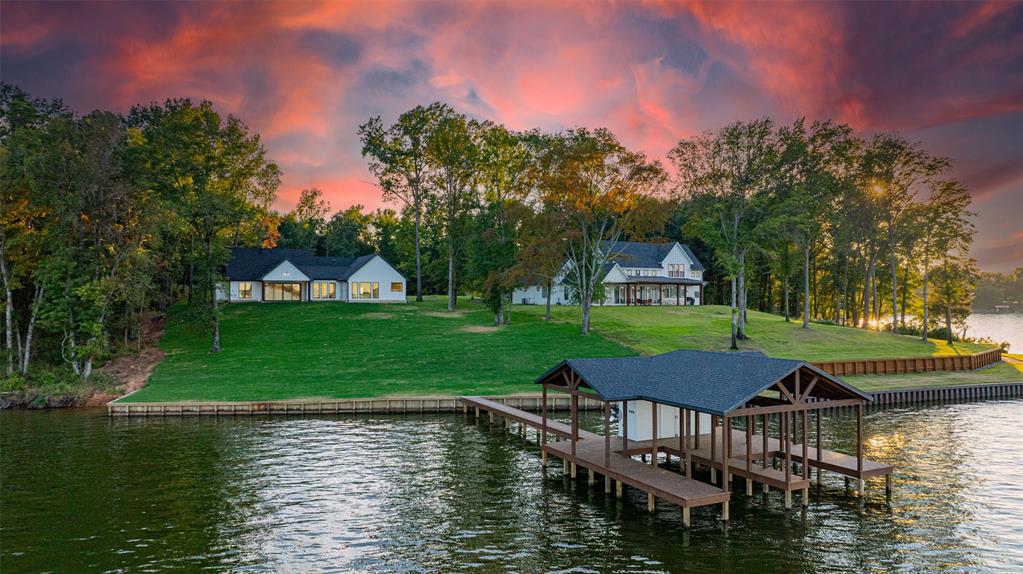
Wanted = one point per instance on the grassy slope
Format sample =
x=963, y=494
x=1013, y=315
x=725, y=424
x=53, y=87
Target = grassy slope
x=288, y=351
x=291, y=350
x=652, y=330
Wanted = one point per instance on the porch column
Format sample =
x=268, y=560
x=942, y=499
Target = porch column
x=678, y=299
x=625, y=426
x=543, y=427
x=806, y=457
x=713, y=448
x=685, y=293
x=653, y=435
x=859, y=449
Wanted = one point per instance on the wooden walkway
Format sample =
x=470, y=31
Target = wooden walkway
x=494, y=408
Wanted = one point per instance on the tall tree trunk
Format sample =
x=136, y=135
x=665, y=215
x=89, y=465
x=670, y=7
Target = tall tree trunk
x=452, y=296
x=499, y=315
x=806, y=286
x=948, y=318
x=511, y=295
x=27, y=350
x=866, y=293
x=419, y=258
x=877, y=306
x=8, y=310
x=215, y=348
x=550, y=287
x=735, y=345
x=927, y=271
x=191, y=268
x=895, y=275
x=585, y=303
x=741, y=329
x=785, y=290
x=902, y=307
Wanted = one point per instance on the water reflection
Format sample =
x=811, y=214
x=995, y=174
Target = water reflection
x=437, y=493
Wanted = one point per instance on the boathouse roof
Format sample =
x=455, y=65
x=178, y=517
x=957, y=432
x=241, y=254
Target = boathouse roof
x=710, y=382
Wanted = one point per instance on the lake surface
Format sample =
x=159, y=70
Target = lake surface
x=998, y=327
x=85, y=493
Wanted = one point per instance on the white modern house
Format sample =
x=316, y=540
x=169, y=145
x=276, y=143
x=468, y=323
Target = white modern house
x=265, y=275
x=635, y=274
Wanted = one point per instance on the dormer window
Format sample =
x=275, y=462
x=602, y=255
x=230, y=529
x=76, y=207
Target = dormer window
x=676, y=270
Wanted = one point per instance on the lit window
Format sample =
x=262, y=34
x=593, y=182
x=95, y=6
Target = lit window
x=245, y=290
x=324, y=290
x=397, y=287
x=365, y=290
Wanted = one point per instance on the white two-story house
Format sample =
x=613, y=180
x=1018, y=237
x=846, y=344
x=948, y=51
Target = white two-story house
x=635, y=274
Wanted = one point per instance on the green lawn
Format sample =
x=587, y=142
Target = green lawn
x=652, y=330
x=294, y=350
x=336, y=350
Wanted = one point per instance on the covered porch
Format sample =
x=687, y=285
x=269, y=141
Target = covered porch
x=673, y=291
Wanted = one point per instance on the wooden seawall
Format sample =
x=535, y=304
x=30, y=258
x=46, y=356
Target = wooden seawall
x=910, y=364
x=446, y=404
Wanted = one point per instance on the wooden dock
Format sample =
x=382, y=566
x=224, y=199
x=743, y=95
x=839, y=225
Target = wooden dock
x=591, y=454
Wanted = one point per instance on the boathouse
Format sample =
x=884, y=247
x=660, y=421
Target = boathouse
x=739, y=414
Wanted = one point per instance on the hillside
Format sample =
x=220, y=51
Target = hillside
x=292, y=350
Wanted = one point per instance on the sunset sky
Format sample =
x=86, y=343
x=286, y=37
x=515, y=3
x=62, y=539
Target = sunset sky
x=306, y=74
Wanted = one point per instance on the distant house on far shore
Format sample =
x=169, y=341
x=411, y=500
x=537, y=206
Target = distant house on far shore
x=266, y=275
x=635, y=274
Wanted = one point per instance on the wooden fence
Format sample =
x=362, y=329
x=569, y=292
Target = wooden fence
x=911, y=365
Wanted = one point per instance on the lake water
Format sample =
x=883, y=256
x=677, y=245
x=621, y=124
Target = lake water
x=85, y=493
x=998, y=327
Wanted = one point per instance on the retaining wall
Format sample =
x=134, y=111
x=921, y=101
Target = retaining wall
x=911, y=365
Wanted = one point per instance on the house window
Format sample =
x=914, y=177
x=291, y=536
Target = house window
x=676, y=270
x=324, y=290
x=245, y=290
x=282, y=292
x=694, y=273
x=365, y=290
x=397, y=287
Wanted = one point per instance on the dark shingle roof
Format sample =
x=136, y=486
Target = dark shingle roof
x=710, y=382
x=253, y=263
x=637, y=254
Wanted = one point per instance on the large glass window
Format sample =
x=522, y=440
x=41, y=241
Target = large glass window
x=397, y=287
x=282, y=292
x=245, y=290
x=365, y=290
x=676, y=270
x=324, y=290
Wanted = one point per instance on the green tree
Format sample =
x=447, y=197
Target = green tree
x=398, y=159
x=601, y=190
x=214, y=174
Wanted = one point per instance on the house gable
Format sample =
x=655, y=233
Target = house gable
x=285, y=271
x=615, y=275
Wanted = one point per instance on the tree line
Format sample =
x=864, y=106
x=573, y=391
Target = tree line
x=106, y=217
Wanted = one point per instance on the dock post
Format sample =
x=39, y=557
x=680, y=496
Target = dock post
x=686, y=521
x=859, y=487
x=767, y=488
x=543, y=457
x=477, y=412
x=806, y=496
x=724, y=511
x=574, y=471
x=607, y=484
x=788, y=499
x=619, y=488
x=650, y=502
x=749, y=486
x=888, y=486
x=591, y=477
x=845, y=479
x=564, y=462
